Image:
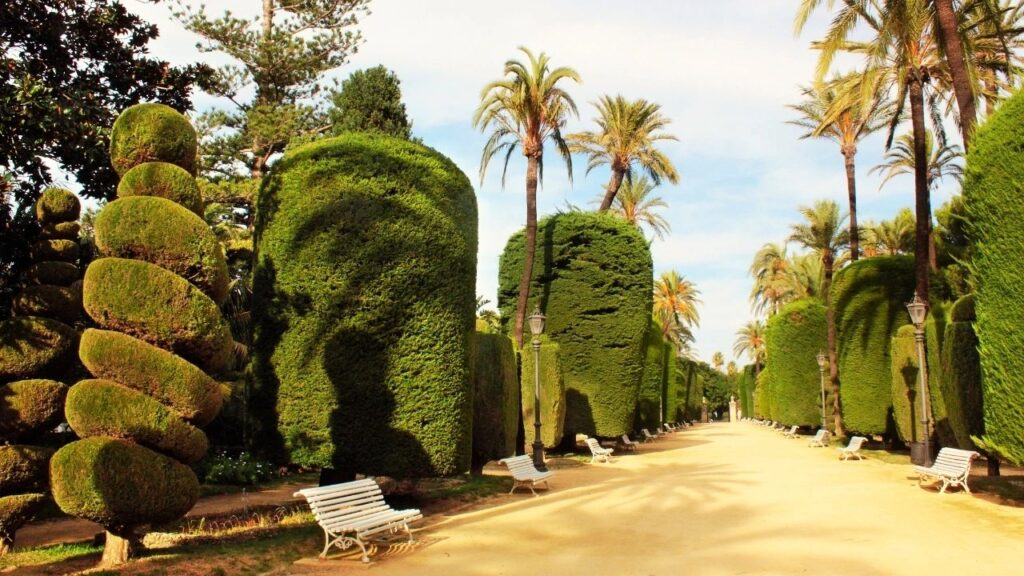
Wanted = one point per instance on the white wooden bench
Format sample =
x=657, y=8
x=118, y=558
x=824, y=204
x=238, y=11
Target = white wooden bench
x=647, y=435
x=628, y=444
x=599, y=453
x=952, y=466
x=820, y=439
x=524, y=473
x=352, y=512
x=791, y=433
x=853, y=448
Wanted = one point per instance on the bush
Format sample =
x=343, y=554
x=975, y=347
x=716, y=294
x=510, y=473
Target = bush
x=105, y=408
x=34, y=347
x=552, y=394
x=992, y=186
x=158, y=231
x=870, y=299
x=159, y=307
x=495, y=398
x=363, y=300
x=163, y=180
x=60, y=231
x=793, y=338
x=745, y=386
x=690, y=391
x=120, y=485
x=152, y=133
x=242, y=470
x=961, y=375
x=592, y=278
x=23, y=469
x=658, y=360
x=57, y=205
x=63, y=303
x=55, y=273
x=153, y=371
x=17, y=510
x=62, y=250
x=906, y=401
x=30, y=406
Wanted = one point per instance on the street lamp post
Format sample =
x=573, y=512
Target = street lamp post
x=822, y=362
x=537, y=328
x=918, y=310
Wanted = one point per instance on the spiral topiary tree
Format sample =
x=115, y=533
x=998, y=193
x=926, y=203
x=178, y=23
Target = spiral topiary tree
x=154, y=296
x=364, y=299
x=992, y=187
x=793, y=338
x=35, y=347
x=592, y=278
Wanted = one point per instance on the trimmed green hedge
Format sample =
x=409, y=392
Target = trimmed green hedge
x=759, y=398
x=105, y=408
x=552, y=394
x=905, y=385
x=16, y=511
x=689, y=391
x=54, y=273
x=152, y=133
x=30, y=406
x=60, y=231
x=120, y=485
x=34, y=347
x=57, y=205
x=992, y=197
x=158, y=306
x=363, y=301
x=154, y=371
x=158, y=231
x=658, y=360
x=62, y=303
x=23, y=469
x=745, y=385
x=592, y=278
x=164, y=180
x=495, y=398
x=62, y=250
x=870, y=299
x=961, y=375
x=793, y=338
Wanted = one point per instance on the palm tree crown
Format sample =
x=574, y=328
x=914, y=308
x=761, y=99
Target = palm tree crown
x=750, y=340
x=943, y=160
x=675, y=305
x=635, y=204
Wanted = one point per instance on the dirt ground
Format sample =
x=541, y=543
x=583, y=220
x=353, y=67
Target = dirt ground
x=717, y=499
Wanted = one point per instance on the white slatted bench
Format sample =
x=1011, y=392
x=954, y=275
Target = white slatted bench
x=820, y=439
x=853, y=448
x=598, y=452
x=351, y=512
x=647, y=435
x=628, y=444
x=524, y=473
x=791, y=433
x=952, y=466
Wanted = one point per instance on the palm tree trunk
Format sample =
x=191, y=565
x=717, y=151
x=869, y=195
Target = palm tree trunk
x=851, y=191
x=833, y=367
x=954, y=50
x=613, y=188
x=531, y=247
x=922, y=198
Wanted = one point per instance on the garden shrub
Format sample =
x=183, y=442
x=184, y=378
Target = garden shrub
x=152, y=133
x=961, y=375
x=658, y=360
x=793, y=338
x=54, y=273
x=62, y=303
x=23, y=469
x=690, y=391
x=745, y=386
x=61, y=249
x=552, y=394
x=29, y=406
x=56, y=205
x=242, y=470
x=15, y=511
x=869, y=297
x=158, y=231
x=495, y=398
x=592, y=278
x=60, y=231
x=363, y=300
x=34, y=347
x=906, y=401
x=992, y=188
x=164, y=180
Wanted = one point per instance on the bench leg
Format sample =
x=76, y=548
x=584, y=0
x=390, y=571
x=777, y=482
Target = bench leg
x=409, y=532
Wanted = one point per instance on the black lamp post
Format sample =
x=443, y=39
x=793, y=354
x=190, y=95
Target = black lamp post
x=822, y=362
x=918, y=310
x=537, y=328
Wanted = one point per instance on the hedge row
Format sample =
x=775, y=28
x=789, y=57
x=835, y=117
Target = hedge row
x=961, y=375
x=495, y=398
x=793, y=337
x=658, y=360
x=552, y=394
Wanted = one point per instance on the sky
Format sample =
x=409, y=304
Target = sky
x=723, y=72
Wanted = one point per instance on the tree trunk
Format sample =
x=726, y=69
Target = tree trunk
x=268, y=19
x=922, y=197
x=613, y=188
x=851, y=190
x=953, y=47
x=993, y=465
x=531, y=247
x=117, y=550
x=6, y=544
x=833, y=368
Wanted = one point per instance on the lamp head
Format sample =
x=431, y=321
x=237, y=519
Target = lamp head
x=536, y=322
x=918, y=310
x=822, y=360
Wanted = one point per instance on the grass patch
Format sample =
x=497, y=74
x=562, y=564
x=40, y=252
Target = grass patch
x=47, y=555
x=472, y=487
x=221, y=489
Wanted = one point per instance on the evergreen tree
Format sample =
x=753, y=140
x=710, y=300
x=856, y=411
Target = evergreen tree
x=370, y=101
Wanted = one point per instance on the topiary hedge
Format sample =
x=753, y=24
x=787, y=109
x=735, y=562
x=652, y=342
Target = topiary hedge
x=495, y=398
x=32, y=346
x=63, y=303
x=14, y=512
x=158, y=231
x=552, y=394
x=592, y=278
x=657, y=362
x=961, y=375
x=793, y=338
x=164, y=180
x=363, y=300
x=23, y=469
x=60, y=231
x=56, y=205
x=870, y=299
x=152, y=133
x=54, y=273
x=745, y=386
x=61, y=250
x=28, y=406
x=992, y=185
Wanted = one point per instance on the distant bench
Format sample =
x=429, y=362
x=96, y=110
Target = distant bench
x=524, y=473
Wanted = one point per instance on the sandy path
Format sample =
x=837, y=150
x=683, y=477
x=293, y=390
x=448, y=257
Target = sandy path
x=720, y=499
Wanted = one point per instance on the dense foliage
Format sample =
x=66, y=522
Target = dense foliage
x=370, y=101
x=793, y=338
x=658, y=360
x=906, y=387
x=961, y=375
x=745, y=385
x=364, y=298
x=552, y=393
x=495, y=398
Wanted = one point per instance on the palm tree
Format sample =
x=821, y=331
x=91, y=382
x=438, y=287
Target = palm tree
x=771, y=286
x=717, y=359
x=629, y=130
x=896, y=236
x=827, y=113
x=942, y=160
x=951, y=44
x=750, y=340
x=806, y=277
x=823, y=232
x=730, y=369
x=675, y=306
x=994, y=37
x=526, y=109
x=634, y=203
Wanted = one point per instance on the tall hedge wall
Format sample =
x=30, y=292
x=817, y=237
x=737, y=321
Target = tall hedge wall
x=690, y=390
x=495, y=398
x=992, y=189
x=658, y=361
x=793, y=338
x=364, y=299
x=870, y=299
x=592, y=278
x=746, y=382
x=961, y=375
x=552, y=393
x=906, y=399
